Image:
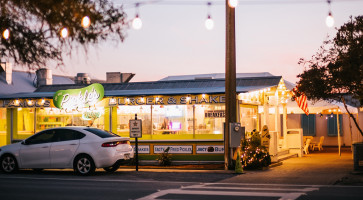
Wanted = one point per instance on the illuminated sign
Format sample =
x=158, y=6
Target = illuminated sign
x=214, y=113
x=142, y=149
x=78, y=98
x=167, y=100
x=15, y=103
x=91, y=114
x=209, y=149
x=185, y=149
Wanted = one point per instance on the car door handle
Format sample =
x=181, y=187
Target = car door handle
x=45, y=147
x=73, y=144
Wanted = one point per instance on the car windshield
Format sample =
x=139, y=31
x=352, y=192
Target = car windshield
x=101, y=133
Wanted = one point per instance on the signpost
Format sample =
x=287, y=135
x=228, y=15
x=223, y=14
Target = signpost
x=136, y=132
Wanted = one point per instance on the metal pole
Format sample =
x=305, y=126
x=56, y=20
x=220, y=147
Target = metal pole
x=230, y=82
x=137, y=150
x=338, y=127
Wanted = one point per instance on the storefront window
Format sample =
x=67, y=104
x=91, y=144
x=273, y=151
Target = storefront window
x=54, y=117
x=125, y=113
x=248, y=116
x=209, y=119
x=172, y=119
x=25, y=118
x=2, y=126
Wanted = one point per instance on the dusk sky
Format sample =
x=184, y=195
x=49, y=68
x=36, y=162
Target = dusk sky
x=271, y=36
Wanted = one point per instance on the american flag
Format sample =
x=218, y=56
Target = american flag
x=301, y=100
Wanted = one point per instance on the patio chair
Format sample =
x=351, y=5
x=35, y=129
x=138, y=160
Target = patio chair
x=306, y=147
x=319, y=145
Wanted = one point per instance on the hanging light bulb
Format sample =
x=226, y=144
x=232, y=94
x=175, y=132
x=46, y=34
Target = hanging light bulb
x=6, y=34
x=329, y=19
x=86, y=22
x=232, y=3
x=136, y=22
x=64, y=32
x=209, y=23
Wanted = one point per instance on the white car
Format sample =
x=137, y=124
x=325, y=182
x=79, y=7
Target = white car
x=82, y=148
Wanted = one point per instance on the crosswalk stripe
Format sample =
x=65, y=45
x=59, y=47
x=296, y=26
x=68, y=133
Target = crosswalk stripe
x=245, y=190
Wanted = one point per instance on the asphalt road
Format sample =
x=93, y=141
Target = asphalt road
x=145, y=185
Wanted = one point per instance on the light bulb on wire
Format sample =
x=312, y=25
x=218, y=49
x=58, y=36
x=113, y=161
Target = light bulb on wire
x=6, y=34
x=232, y=3
x=136, y=22
x=209, y=23
x=64, y=32
x=86, y=22
x=329, y=19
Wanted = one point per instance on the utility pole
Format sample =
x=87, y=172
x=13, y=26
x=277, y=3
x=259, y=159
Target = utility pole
x=230, y=83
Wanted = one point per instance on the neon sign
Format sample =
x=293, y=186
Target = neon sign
x=78, y=98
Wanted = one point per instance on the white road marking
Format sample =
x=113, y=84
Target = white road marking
x=255, y=188
x=245, y=190
x=284, y=196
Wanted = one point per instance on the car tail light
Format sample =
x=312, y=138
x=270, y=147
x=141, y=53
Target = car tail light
x=113, y=144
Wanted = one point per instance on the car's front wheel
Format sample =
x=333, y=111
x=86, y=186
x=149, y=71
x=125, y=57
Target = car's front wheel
x=84, y=165
x=8, y=164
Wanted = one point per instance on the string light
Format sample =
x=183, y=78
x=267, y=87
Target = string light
x=209, y=23
x=136, y=22
x=86, y=22
x=6, y=34
x=232, y=3
x=329, y=19
x=64, y=32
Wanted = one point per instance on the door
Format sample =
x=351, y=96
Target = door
x=34, y=152
x=65, y=145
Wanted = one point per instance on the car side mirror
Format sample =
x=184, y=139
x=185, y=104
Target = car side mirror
x=24, y=142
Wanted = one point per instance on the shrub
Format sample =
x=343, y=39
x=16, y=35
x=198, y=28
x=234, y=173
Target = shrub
x=164, y=158
x=254, y=155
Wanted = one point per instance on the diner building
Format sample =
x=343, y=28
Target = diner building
x=185, y=113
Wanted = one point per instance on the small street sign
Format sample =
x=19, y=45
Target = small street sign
x=135, y=128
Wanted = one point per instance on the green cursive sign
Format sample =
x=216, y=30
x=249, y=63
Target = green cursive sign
x=78, y=98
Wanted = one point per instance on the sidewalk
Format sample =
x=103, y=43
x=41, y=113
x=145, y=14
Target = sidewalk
x=317, y=168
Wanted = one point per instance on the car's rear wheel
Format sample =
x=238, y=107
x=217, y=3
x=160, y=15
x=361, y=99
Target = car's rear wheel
x=113, y=168
x=84, y=165
x=8, y=164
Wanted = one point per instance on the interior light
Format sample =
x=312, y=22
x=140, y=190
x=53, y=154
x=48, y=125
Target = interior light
x=209, y=23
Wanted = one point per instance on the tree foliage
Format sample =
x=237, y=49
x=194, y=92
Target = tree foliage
x=35, y=27
x=336, y=70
